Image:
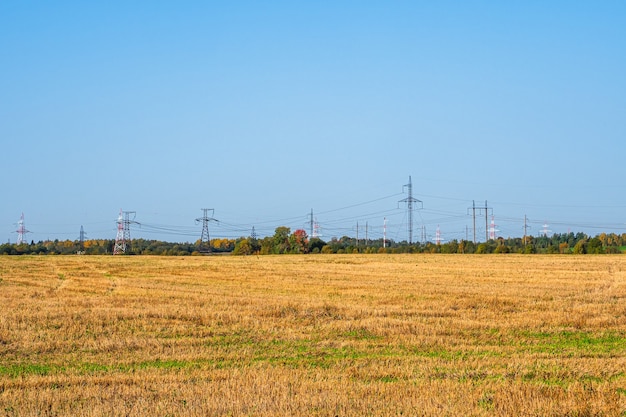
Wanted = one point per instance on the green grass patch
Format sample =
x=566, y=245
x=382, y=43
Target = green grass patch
x=303, y=353
x=388, y=379
x=92, y=368
x=574, y=343
x=164, y=364
x=25, y=369
x=360, y=333
x=86, y=368
x=452, y=355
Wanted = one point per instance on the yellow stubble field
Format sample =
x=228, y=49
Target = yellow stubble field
x=317, y=335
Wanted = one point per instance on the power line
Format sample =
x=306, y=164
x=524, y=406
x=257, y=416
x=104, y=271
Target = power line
x=360, y=204
x=335, y=221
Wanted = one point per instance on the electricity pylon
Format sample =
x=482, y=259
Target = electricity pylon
x=205, y=240
x=21, y=230
x=409, y=201
x=122, y=239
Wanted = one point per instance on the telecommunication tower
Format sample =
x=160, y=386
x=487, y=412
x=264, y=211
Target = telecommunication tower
x=122, y=239
x=21, y=230
x=205, y=240
x=409, y=201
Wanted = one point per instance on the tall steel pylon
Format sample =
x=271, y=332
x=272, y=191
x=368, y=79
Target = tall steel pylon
x=315, y=229
x=480, y=209
x=122, y=239
x=409, y=201
x=205, y=240
x=21, y=230
x=81, y=239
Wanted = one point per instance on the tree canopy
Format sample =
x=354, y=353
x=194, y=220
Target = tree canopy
x=285, y=242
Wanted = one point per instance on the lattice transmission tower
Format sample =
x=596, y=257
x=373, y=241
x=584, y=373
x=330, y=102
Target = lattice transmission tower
x=81, y=239
x=315, y=229
x=21, y=230
x=493, y=229
x=122, y=239
x=545, y=231
x=205, y=240
x=409, y=206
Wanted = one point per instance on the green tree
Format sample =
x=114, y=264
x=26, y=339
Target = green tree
x=316, y=243
x=594, y=245
x=454, y=246
x=482, y=248
x=267, y=246
x=502, y=249
x=580, y=247
x=280, y=241
x=243, y=247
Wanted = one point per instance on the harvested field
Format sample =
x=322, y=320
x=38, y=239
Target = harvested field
x=321, y=335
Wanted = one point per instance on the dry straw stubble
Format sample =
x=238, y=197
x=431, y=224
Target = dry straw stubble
x=313, y=335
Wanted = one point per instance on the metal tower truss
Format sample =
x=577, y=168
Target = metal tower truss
x=122, y=239
x=493, y=229
x=409, y=202
x=205, y=240
x=21, y=230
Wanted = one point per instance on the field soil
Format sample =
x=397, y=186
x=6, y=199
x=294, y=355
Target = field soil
x=315, y=335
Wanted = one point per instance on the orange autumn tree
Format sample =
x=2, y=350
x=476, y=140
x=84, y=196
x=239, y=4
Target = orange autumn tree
x=299, y=241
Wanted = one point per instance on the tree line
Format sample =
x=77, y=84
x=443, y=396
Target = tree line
x=105, y=247
x=284, y=241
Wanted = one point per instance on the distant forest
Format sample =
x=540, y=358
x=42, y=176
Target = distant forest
x=285, y=242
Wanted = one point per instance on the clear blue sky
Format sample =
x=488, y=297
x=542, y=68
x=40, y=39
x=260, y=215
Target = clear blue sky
x=266, y=110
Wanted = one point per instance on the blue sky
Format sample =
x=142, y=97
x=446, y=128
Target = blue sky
x=266, y=110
